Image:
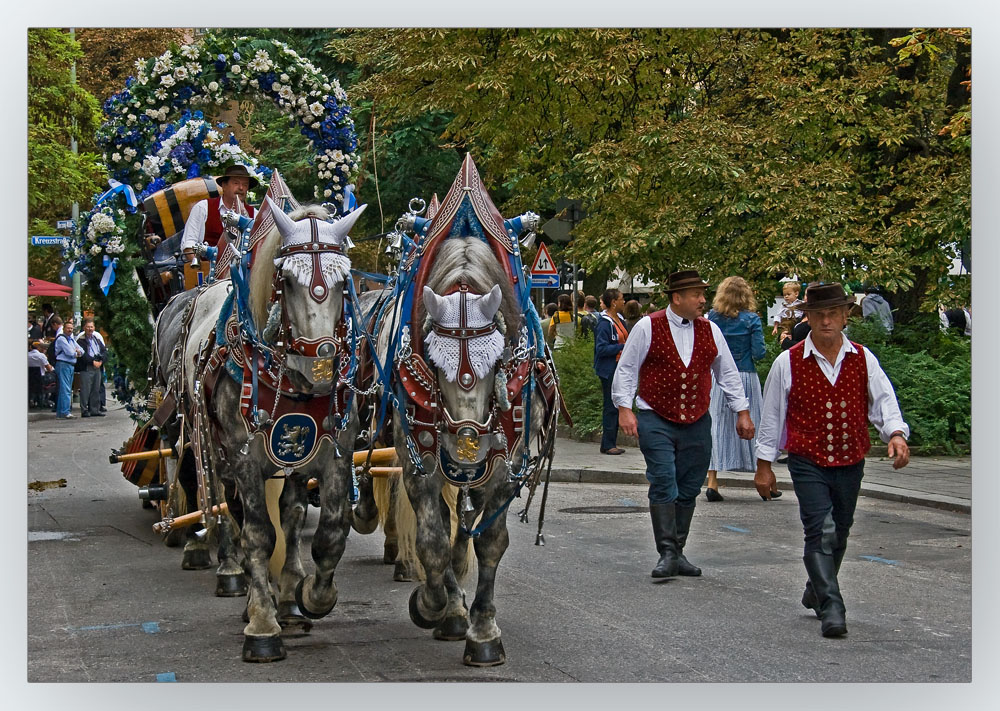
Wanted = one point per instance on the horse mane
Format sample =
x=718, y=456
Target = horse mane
x=262, y=273
x=471, y=260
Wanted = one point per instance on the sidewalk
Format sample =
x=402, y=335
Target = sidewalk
x=938, y=482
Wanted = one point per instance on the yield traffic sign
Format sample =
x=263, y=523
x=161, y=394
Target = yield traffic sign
x=543, y=264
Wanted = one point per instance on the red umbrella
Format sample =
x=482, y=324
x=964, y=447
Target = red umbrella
x=40, y=287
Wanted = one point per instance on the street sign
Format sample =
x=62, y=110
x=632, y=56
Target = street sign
x=543, y=263
x=545, y=281
x=48, y=240
x=64, y=224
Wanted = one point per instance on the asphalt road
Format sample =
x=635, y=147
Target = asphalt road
x=108, y=602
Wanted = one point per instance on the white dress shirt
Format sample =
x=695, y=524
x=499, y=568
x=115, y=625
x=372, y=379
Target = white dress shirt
x=626, y=381
x=883, y=410
x=194, y=227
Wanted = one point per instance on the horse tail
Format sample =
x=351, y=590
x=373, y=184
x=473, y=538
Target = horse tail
x=406, y=530
x=382, y=490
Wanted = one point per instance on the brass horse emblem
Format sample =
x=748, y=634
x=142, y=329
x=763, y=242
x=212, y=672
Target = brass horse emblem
x=322, y=370
x=467, y=448
x=291, y=442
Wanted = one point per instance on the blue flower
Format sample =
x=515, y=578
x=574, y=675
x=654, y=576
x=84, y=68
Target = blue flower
x=194, y=170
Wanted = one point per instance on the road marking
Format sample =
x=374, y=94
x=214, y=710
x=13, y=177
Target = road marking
x=166, y=676
x=147, y=627
x=876, y=559
x=737, y=529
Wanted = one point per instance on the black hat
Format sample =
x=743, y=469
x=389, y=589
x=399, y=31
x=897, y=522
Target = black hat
x=237, y=171
x=825, y=296
x=687, y=279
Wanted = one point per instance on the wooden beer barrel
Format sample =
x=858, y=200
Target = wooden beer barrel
x=144, y=439
x=168, y=209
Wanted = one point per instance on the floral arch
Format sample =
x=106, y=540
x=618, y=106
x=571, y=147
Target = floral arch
x=155, y=134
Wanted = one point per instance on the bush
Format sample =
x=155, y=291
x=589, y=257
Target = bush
x=931, y=372
x=581, y=388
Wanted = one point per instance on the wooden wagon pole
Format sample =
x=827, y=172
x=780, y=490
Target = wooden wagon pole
x=195, y=517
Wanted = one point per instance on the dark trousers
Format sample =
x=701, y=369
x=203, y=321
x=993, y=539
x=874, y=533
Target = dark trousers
x=677, y=457
x=609, y=417
x=827, y=498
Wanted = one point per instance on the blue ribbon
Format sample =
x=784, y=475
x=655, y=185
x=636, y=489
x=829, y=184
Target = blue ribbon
x=116, y=187
x=109, y=273
x=350, y=202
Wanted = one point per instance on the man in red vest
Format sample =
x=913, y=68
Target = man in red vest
x=819, y=398
x=670, y=357
x=204, y=223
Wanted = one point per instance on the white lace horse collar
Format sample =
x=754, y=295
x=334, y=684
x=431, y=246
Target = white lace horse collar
x=464, y=340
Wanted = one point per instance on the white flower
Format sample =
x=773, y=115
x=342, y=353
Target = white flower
x=308, y=120
x=160, y=94
x=189, y=52
x=327, y=193
x=286, y=92
x=284, y=77
x=96, y=249
x=316, y=108
x=129, y=153
x=180, y=73
x=193, y=68
x=131, y=118
x=137, y=165
x=236, y=69
x=213, y=86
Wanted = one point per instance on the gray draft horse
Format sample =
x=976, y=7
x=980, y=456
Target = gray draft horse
x=296, y=300
x=470, y=439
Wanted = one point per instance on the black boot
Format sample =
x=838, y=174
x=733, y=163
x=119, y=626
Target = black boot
x=665, y=534
x=822, y=569
x=809, y=600
x=684, y=567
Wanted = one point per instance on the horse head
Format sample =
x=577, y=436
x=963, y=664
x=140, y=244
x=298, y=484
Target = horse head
x=468, y=312
x=310, y=267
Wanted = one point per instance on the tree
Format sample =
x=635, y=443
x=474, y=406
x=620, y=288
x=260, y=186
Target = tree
x=753, y=152
x=58, y=111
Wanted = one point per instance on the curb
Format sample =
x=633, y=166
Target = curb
x=874, y=491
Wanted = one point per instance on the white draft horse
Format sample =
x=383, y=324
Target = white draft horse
x=258, y=373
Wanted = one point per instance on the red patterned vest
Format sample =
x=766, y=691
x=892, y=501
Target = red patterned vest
x=213, y=225
x=828, y=424
x=674, y=392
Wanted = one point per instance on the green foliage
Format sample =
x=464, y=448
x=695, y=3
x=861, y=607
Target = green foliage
x=823, y=152
x=580, y=386
x=58, y=112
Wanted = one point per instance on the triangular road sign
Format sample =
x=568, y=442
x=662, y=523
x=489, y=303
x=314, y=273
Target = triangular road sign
x=543, y=263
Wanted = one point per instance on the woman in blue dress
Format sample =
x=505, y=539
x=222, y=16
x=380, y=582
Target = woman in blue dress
x=734, y=311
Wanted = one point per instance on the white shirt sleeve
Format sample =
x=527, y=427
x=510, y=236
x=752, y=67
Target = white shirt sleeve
x=883, y=409
x=726, y=374
x=194, y=228
x=626, y=380
x=771, y=430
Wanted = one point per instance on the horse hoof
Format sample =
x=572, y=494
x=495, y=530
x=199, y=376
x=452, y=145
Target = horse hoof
x=196, y=559
x=401, y=574
x=484, y=654
x=451, y=629
x=303, y=609
x=290, y=618
x=362, y=525
x=233, y=585
x=389, y=553
x=263, y=649
x=418, y=619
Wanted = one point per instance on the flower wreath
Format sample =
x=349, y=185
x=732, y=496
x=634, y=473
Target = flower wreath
x=210, y=72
